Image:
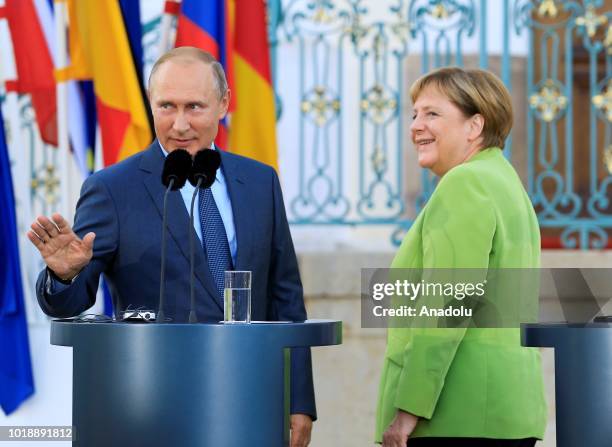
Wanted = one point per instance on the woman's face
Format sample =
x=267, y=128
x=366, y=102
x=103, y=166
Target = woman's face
x=443, y=136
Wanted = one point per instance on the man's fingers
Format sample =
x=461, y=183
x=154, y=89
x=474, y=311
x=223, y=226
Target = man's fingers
x=301, y=427
x=300, y=437
x=296, y=438
x=49, y=226
x=33, y=237
x=61, y=223
x=40, y=231
x=88, y=240
x=298, y=441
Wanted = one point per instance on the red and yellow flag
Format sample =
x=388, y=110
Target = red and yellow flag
x=100, y=51
x=253, y=122
x=34, y=65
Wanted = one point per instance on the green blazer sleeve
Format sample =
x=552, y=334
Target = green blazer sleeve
x=458, y=229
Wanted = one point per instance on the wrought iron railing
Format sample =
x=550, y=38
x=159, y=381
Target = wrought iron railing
x=341, y=69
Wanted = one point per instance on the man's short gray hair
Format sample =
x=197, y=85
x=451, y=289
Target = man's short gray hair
x=194, y=54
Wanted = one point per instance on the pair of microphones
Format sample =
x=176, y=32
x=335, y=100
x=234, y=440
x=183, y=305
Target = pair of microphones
x=200, y=171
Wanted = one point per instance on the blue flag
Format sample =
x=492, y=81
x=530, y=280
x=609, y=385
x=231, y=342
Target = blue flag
x=130, y=10
x=16, y=381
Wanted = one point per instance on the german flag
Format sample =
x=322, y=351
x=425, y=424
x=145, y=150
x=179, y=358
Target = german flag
x=253, y=122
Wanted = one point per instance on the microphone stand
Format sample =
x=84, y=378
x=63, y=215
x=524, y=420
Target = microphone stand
x=160, y=312
x=192, y=313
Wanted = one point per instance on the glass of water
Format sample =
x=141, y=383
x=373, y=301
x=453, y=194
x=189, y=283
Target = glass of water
x=237, y=297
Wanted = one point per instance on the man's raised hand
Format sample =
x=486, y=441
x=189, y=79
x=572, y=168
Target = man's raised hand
x=62, y=250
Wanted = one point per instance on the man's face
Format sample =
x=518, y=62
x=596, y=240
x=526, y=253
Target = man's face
x=186, y=106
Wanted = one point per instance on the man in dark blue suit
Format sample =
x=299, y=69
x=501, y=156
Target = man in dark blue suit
x=118, y=224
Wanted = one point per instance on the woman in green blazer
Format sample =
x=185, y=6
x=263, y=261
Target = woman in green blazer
x=464, y=387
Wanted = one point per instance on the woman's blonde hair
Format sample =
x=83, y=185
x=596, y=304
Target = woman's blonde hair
x=473, y=91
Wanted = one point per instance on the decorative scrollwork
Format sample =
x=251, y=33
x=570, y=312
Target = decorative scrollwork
x=321, y=104
x=590, y=21
x=379, y=203
x=379, y=161
x=559, y=204
x=584, y=235
x=442, y=15
x=548, y=7
x=379, y=104
x=322, y=10
x=608, y=158
x=544, y=14
x=382, y=42
x=319, y=17
x=400, y=26
x=356, y=30
x=398, y=234
x=549, y=102
x=47, y=179
x=598, y=205
x=603, y=101
x=439, y=11
x=319, y=202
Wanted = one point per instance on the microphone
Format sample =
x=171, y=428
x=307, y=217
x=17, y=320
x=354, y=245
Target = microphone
x=205, y=165
x=174, y=175
x=202, y=175
x=177, y=167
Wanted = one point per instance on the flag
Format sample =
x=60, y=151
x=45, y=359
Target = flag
x=80, y=119
x=100, y=51
x=34, y=65
x=205, y=24
x=130, y=11
x=253, y=122
x=81, y=125
x=16, y=381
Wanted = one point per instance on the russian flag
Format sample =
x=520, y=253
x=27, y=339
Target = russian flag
x=205, y=24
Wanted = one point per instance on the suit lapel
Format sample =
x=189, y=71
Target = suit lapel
x=178, y=218
x=237, y=190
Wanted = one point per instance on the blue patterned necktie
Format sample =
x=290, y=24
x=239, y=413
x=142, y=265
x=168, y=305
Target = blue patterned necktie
x=214, y=239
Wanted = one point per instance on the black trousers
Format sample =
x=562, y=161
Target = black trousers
x=470, y=442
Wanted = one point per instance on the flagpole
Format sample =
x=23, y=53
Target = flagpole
x=63, y=146
x=171, y=11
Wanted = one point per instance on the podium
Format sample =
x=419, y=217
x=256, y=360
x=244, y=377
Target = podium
x=583, y=379
x=184, y=384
